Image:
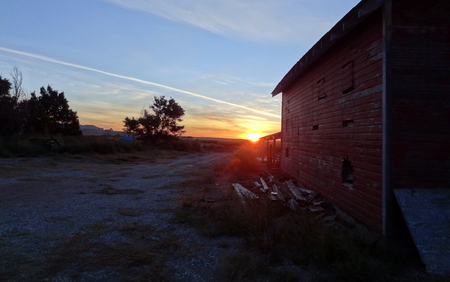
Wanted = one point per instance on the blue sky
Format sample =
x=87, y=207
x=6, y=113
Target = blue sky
x=219, y=59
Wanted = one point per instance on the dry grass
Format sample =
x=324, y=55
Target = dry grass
x=114, y=191
x=131, y=211
x=273, y=233
x=140, y=256
x=242, y=266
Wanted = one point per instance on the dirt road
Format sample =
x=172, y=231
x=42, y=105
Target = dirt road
x=105, y=218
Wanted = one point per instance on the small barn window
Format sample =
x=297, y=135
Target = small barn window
x=321, y=89
x=287, y=124
x=347, y=123
x=287, y=152
x=315, y=127
x=347, y=77
x=347, y=172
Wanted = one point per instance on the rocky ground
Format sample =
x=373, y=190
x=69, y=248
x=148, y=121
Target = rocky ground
x=104, y=218
x=117, y=218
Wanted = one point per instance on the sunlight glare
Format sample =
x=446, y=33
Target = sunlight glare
x=254, y=137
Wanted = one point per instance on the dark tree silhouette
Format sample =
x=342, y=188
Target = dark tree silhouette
x=16, y=86
x=5, y=86
x=161, y=125
x=50, y=114
x=11, y=110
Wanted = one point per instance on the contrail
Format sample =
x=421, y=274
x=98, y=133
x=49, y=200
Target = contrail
x=133, y=79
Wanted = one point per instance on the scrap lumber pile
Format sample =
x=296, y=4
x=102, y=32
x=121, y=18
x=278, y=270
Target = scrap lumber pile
x=287, y=193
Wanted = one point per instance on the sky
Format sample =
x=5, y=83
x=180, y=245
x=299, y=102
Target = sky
x=219, y=59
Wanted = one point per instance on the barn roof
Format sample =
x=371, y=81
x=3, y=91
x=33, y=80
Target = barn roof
x=356, y=15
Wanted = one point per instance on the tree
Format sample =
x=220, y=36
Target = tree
x=11, y=111
x=17, y=79
x=50, y=114
x=5, y=86
x=160, y=125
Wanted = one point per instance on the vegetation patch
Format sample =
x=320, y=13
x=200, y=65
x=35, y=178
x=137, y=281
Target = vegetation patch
x=115, y=191
x=272, y=234
x=133, y=252
x=131, y=211
x=242, y=266
x=139, y=257
x=59, y=218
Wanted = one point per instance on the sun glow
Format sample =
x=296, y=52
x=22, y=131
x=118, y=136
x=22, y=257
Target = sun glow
x=253, y=137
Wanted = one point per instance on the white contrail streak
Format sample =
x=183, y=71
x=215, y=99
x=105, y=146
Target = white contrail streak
x=133, y=79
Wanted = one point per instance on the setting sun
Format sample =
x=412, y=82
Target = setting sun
x=253, y=137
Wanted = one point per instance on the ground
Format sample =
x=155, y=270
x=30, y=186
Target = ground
x=131, y=217
x=104, y=218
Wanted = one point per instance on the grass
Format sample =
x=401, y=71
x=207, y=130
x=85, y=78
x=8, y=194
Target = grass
x=131, y=211
x=138, y=254
x=114, y=191
x=241, y=266
x=35, y=147
x=87, y=251
x=273, y=234
x=86, y=145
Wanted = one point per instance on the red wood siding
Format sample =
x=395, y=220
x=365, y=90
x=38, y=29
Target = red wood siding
x=345, y=84
x=420, y=94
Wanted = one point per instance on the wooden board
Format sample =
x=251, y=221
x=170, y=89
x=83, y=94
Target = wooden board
x=427, y=215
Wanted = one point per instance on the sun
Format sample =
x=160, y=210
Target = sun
x=253, y=137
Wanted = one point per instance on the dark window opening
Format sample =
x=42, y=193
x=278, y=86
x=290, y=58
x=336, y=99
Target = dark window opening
x=315, y=127
x=347, y=78
x=347, y=123
x=287, y=152
x=347, y=172
x=321, y=93
x=287, y=124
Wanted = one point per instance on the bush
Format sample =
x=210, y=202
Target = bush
x=39, y=146
x=183, y=145
x=247, y=155
x=21, y=148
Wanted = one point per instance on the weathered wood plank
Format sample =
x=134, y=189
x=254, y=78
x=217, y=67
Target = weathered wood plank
x=293, y=204
x=240, y=196
x=297, y=194
x=244, y=191
x=279, y=193
x=264, y=184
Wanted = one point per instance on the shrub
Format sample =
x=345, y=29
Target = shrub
x=247, y=155
x=183, y=145
x=38, y=146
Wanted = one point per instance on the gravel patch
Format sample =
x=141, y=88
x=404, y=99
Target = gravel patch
x=52, y=207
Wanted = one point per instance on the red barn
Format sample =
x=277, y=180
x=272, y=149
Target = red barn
x=367, y=109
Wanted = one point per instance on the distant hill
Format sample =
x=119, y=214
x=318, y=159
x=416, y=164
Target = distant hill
x=89, y=129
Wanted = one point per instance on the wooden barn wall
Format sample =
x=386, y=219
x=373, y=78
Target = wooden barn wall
x=419, y=58
x=333, y=111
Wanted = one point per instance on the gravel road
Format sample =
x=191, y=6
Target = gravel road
x=48, y=204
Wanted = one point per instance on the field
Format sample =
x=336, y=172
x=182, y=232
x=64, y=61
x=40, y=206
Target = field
x=166, y=215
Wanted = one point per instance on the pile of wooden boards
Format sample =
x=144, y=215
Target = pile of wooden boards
x=288, y=193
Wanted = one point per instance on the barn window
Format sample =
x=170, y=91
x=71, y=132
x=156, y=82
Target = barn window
x=347, y=123
x=287, y=152
x=321, y=89
x=347, y=172
x=347, y=77
x=315, y=127
x=287, y=124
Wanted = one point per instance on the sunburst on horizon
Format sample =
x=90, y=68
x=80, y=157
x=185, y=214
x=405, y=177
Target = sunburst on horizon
x=253, y=137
